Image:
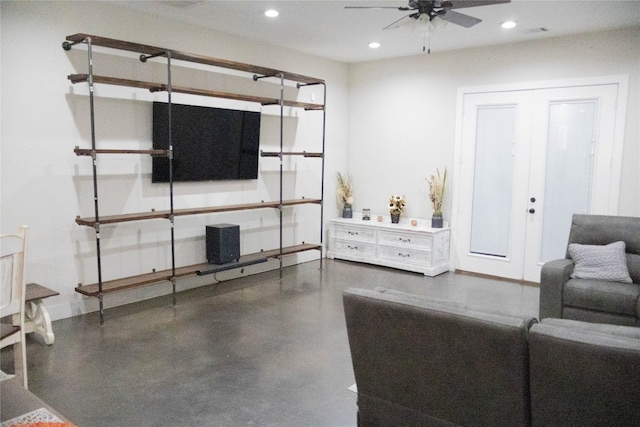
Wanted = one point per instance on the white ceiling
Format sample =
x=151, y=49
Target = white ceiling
x=327, y=29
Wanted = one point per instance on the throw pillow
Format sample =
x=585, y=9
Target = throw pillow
x=600, y=262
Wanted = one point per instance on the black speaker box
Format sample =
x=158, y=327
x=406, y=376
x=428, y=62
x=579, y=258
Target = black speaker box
x=223, y=243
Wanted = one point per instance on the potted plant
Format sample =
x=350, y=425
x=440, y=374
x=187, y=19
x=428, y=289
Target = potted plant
x=436, y=194
x=396, y=207
x=345, y=195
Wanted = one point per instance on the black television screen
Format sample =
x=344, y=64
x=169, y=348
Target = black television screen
x=209, y=144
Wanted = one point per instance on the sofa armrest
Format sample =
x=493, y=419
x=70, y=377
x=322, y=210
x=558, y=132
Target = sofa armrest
x=553, y=276
x=604, y=329
x=584, y=374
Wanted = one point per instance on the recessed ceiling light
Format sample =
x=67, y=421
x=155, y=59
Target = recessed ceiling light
x=374, y=45
x=508, y=24
x=271, y=13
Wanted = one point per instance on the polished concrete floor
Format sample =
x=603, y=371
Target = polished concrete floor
x=256, y=351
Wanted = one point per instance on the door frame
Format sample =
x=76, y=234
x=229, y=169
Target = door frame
x=622, y=82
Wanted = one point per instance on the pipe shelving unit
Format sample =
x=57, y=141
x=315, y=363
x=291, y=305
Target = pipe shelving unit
x=146, y=52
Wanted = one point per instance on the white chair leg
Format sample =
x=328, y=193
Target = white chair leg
x=20, y=360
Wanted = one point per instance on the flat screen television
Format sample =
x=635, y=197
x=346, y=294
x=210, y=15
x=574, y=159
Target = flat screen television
x=209, y=144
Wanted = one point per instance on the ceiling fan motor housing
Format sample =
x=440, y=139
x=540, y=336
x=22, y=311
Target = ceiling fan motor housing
x=429, y=7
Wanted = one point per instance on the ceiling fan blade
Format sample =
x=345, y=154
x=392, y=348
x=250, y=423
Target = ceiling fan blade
x=459, y=4
x=400, y=22
x=378, y=7
x=459, y=18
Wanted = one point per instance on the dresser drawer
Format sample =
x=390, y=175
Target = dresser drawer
x=351, y=248
x=355, y=233
x=404, y=255
x=408, y=240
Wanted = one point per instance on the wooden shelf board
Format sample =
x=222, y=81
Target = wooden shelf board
x=290, y=250
x=81, y=78
x=226, y=95
x=157, y=277
x=189, y=57
x=161, y=87
x=289, y=153
x=113, y=219
x=89, y=151
x=305, y=105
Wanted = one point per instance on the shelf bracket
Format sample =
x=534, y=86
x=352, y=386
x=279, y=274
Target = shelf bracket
x=67, y=45
x=144, y=58
x=299, y=85
x=270, y=154
x=257, y=77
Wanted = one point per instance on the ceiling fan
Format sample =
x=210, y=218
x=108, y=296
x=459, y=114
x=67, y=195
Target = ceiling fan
x=428, y=10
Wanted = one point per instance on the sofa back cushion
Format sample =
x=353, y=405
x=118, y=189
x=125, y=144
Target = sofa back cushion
x=423, y=362
x=603, y=230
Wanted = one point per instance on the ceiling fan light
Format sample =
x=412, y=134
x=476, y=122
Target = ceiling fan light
x=438, y=23
x=422, y=23
x=271, y=13
x=423, y=17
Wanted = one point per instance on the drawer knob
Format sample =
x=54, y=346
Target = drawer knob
x=404, y=240
x=400, y=254
x=353, y=233
x=355, y=248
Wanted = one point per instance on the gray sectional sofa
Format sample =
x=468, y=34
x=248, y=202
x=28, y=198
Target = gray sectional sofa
x=425, y=362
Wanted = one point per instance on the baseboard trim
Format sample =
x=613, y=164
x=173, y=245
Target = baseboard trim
x=498, y=278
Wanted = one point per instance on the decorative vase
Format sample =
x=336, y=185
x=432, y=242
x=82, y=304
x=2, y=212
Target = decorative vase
x=395, y=218
x=436, y=221
x=347, y=212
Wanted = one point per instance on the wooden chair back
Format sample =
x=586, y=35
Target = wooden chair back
x=12, y=280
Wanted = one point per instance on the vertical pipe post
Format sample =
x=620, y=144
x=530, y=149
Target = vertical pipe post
x=171, y=216
x=281, y=158
x=324, y=120
x=95, y=177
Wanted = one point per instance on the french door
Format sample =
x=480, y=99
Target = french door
x=526, y=161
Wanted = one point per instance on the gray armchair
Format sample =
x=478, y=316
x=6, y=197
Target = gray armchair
x=596, y=299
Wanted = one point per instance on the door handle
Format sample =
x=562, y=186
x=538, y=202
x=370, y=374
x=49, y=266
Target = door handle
x=532, y=211
x=533, y=200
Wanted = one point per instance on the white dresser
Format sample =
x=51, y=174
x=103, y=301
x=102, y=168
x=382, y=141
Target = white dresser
x=419, y=248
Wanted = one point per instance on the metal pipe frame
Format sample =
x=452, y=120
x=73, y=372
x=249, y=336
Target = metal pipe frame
x=95, y=176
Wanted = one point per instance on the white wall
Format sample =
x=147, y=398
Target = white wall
x=390, y=124
x=406, y=109
x=45, y=185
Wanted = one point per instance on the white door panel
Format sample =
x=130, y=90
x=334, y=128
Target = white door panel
x=495, y=153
